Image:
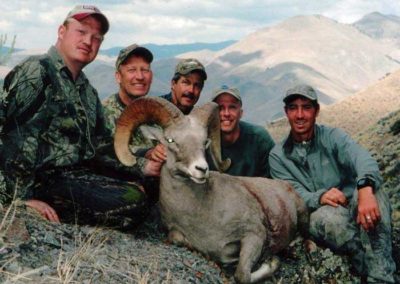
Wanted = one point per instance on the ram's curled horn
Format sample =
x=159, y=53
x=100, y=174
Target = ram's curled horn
x=208, y=115
x=143, y=110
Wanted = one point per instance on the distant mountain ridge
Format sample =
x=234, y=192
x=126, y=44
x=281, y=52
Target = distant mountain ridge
x=162, y=51
x=377, y=25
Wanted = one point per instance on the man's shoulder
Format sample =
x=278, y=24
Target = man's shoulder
x=110, y=101
x=325, y=132
x=167, y=97
x=29, y=66
x=254, y=129
x=112, y=107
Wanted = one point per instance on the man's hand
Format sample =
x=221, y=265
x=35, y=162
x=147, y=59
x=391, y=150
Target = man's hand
x=157, y=154
x=152, y=168
x=44, y=209
x=333, y=197
x=368, y=209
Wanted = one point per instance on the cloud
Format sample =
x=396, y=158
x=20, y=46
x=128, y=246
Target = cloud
x=175, y=21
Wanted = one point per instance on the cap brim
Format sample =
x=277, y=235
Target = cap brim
x=289, y=97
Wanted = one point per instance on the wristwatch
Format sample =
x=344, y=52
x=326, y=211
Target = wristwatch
x=363, y=182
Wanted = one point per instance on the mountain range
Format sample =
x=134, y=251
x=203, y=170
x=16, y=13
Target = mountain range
x=337, y=59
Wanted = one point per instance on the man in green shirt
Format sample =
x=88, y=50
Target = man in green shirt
x=246, y=144
x=53, y=132
x=340, y=183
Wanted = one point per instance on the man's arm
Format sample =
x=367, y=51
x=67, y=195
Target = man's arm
x=23, y=97
x=280, y=171
x=354, y=158
x=359, y=161
x=266, y=143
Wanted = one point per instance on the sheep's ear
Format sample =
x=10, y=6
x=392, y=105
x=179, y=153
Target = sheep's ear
x=152, y=132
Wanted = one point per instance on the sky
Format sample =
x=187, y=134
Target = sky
x=35, y=22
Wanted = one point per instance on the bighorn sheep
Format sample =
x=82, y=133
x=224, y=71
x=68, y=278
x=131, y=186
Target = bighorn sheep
x=233, y=220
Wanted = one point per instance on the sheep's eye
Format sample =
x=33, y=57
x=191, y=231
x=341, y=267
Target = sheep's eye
x=170, y=140
x=207, y=143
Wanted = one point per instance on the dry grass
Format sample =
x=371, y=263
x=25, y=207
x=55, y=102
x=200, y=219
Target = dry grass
x=86, y=251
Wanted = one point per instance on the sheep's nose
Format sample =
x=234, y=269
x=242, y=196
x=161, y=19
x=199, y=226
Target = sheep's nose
x=203, y=169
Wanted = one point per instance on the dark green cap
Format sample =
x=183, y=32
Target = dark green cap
x=136, y=50
x=186, y=66
x=301, y=90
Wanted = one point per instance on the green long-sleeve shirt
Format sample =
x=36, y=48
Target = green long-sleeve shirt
x=333, y=159
x=249, y=153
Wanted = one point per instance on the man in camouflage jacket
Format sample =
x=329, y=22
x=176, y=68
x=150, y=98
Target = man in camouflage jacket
x=134, y=75
x=53, y=130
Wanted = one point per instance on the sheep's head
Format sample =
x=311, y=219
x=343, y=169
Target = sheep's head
x=185, y=137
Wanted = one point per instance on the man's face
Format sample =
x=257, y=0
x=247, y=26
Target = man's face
x=302, y=115
x=79, y=41
x=230, y=112
x=134, y=77
x=186, y=91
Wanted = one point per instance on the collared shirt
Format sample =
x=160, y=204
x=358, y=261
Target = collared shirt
x=332, y=160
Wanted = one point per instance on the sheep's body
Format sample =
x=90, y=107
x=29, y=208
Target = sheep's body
x=233, y=220
x=231, y=216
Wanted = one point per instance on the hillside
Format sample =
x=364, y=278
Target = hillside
x=312, y=49
x=357, y=112
x=35, y=251
x=380, y=26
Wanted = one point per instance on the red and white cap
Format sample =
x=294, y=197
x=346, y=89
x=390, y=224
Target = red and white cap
x=82, y=11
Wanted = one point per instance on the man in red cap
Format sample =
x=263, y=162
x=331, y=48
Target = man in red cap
x=53, y=130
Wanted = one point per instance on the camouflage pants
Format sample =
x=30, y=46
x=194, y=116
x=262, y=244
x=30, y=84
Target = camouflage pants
x=81, y=196
x=371, y=252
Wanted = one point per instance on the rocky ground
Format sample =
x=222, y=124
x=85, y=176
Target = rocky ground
x=33, y=250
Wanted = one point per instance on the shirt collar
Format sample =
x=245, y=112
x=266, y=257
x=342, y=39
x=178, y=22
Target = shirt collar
x=58, y=62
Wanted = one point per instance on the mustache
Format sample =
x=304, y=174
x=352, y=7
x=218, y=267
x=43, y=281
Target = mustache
x=188, y=95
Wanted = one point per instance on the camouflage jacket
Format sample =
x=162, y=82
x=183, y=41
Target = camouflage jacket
x=49, y=121
x=113, y=107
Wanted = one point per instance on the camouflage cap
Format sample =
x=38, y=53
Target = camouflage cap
x=186, y=66
x=224, y=89
x=301, y=90
x=79, y=12
x=133, y=49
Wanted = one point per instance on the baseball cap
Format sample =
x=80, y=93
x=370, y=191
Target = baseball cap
x=133, y=49
x=79, y=12
x=228, y=90
x=301, y=90
x=185, y=66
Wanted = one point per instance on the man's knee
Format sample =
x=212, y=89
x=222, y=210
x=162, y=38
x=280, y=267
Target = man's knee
x=332, y=226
